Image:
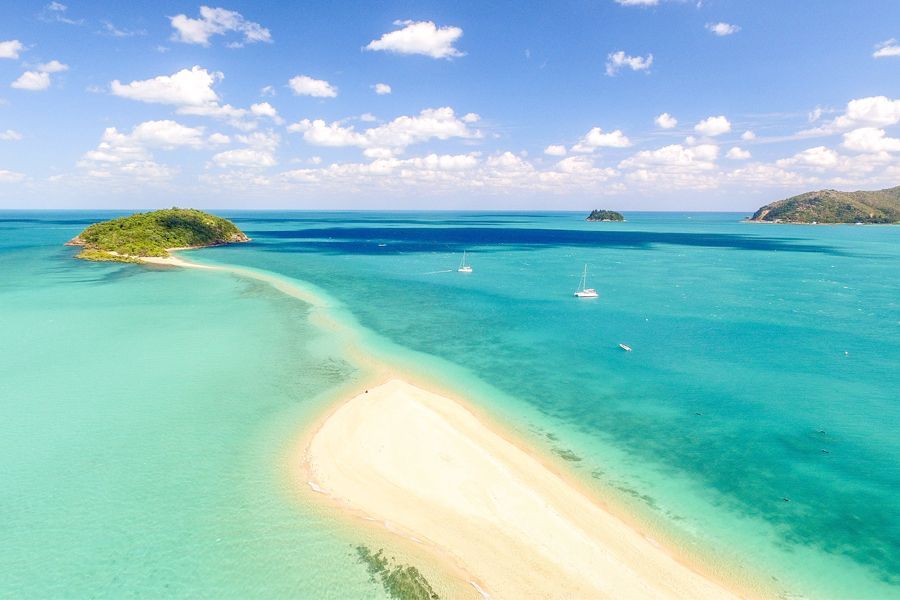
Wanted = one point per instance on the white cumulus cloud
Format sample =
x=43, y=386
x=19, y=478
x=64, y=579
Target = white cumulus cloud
x=713, y=126
x=245, y=157
x=39, y=79
x=10, y=135
x=870, y=139
x=11, y=49
x=118, y=147
x=166, y=134
x=500, y=172
x=674, y=156
x=259, y=152
x=844, y=170
x=303, y=85
x=378, y=153
x=432, y=169
x=442, y=162
x=34, y=81
x=231, y=113
x=748, y=135
x=616, y=61
x=381, y=89
x=575, y=165
x=191, y=92
x=555, y=150
x=187, y=87
x=818, y=157
x=736, y=153
x=872, y=111
x=217, y=21
x=887, y=48
x=264, y=109
x=319, y=133
x=419, y=37
x=54, y=66
x=722, y=29
x=396, y=135
x=666, y=121
x=127, y=156
x=264, y=140
x=596, y=138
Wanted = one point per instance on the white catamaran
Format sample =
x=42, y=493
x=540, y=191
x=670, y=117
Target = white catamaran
x=583, y=291
x=463, y=267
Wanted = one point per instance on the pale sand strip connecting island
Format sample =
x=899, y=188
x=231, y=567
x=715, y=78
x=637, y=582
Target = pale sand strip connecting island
x=424, y=466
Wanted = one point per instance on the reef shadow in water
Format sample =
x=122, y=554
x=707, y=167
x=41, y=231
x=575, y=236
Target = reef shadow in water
x=785, y=493
x=366, y=240
x=402, y=582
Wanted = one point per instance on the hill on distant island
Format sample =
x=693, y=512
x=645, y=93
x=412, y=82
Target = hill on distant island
x=605, y=215
x=127, y=239
x=832, y=206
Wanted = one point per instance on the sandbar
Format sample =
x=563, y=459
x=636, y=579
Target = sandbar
x=425, y=467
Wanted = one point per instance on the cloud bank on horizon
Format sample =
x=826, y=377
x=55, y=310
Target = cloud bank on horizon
x=259, y=105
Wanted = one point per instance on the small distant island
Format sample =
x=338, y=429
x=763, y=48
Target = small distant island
x=605, y=215
x=832, y=206
x=153, y=234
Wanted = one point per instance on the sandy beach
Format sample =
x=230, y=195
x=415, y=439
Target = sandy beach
x=427, y=468
x=175, y=261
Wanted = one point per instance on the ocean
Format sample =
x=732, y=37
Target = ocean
x=151, y=416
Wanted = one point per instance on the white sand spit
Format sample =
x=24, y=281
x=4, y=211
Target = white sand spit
x=425, y=464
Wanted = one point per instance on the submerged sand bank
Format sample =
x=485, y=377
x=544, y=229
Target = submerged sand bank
x=427, y=468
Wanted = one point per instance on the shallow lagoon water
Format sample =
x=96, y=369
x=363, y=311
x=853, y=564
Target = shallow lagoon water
x=147, y=412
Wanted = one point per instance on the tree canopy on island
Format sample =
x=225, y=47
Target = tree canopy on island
x=126, y=239
x=832, y=206
x=605, y=215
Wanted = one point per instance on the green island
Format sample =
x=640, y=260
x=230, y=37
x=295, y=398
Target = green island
x=605, y=215
x=833, y=206
x=128, y=239
x=399, y=581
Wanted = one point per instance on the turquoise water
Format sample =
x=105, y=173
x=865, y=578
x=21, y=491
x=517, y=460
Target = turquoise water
x=148, y=412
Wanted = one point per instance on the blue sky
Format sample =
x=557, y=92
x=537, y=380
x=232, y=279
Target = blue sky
x=629, y=104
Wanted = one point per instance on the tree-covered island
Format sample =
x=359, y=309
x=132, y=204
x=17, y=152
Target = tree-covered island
x=127, y=239
x=832, y=206
x=605, y=215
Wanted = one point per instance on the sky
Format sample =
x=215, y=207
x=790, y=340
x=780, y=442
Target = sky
x=563, y=105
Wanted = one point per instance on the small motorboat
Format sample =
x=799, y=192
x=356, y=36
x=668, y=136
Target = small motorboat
x=625, y=347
